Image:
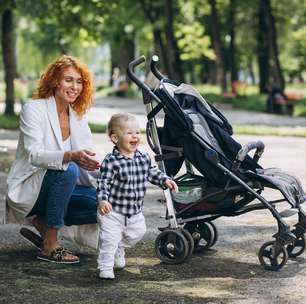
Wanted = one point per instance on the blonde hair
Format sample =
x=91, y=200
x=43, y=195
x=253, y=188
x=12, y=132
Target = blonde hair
x=53, y=74
x=116, y=121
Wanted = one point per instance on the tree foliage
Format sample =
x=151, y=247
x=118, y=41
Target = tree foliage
x=181, y=32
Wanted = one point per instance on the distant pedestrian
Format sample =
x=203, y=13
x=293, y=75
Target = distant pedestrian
x=277, y=102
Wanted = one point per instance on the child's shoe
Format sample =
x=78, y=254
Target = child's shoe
x=106, y=274
x=119, y=258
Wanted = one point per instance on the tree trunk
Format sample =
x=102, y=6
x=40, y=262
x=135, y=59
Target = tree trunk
x=278, y=78
x=250, y=68
x=161, y=50
x=9, y=59
x=153, y=12
x=174, y=61
x=232, y=47
x=122, y=52
x=263, y=49
x=221, y=76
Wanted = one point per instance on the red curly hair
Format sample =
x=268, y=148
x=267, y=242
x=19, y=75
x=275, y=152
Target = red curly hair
x=53, y=74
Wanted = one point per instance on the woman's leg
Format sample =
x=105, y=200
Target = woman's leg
x=51, y=205
x=82, y=207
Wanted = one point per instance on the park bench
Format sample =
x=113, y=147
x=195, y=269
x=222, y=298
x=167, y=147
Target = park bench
x=238, y=89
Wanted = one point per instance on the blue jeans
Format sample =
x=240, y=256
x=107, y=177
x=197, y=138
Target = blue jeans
x=62, y=202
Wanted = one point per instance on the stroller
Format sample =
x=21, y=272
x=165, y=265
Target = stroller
x=221, y=179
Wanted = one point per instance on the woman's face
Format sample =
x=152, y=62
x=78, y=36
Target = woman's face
x=70, y=86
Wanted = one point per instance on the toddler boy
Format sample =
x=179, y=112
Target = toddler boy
x=120, y=193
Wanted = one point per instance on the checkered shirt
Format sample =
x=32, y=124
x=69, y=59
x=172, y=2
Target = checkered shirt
x=122, y=181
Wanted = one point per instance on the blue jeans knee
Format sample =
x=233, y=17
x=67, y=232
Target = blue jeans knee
x=54, y=196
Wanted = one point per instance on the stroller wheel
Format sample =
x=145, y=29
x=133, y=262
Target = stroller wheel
x=171, y=246
x=298, y=246
x=216, y=234
x=202, y=234
x=271, y=256
x=190, y=241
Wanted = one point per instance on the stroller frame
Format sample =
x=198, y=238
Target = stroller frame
x=182, y=236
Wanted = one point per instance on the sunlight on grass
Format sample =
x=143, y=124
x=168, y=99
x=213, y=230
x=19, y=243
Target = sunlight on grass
x=10, y=122
x=267, y=130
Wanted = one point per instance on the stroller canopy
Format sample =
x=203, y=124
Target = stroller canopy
x=186, y=113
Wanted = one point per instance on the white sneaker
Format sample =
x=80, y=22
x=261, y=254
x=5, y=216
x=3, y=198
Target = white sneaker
x=119, y=258
x=106, y=274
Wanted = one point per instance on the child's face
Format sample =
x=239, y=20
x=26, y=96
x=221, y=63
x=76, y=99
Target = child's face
x=127, y=137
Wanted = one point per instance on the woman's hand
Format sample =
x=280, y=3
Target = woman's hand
x=104, y=207
x=83, y=159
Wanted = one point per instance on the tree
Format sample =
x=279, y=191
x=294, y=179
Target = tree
x=161, y=15
x=232, y=35
x=175, y=64
x=263, y=49
x=216, y=39
x=277, y=74
x=9, y=58
x=268, y=53
x=153, y=11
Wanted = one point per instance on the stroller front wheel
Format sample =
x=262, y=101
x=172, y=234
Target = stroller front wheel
x=190, y=241
x=171, y=246
x=271, y=256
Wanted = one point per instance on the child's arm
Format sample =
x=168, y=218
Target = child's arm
x=159, y=178
x=104, y=183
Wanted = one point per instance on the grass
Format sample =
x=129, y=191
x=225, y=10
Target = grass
x=10, y=122
x=97, y=128
x=268, y=130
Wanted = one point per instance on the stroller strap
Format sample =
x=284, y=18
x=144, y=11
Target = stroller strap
x=177, y=152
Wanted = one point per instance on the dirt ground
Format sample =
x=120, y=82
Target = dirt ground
x=228, y=273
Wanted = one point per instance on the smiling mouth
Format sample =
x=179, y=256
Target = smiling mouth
x=134, y=143
x=72, y=94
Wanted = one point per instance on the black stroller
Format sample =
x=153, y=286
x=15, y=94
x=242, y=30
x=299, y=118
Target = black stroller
x=221, y=179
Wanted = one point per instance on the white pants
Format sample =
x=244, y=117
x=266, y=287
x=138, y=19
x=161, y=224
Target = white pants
x=117, y=230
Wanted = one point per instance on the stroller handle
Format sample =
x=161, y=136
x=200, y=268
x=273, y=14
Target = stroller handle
x=153, y=67
x=258, y=145
x=132, y=75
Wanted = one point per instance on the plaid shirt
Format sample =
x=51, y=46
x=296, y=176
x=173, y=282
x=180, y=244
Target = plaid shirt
x=123, y=181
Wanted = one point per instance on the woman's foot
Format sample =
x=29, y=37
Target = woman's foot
x=59, y=255
x=53, y=252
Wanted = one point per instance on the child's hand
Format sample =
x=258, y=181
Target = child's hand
x=170, y=184
x=104, y=207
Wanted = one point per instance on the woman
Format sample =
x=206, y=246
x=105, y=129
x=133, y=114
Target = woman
x=49, y=182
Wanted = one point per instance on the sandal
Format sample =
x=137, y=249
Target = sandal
x=31, y=237
x=59, y=255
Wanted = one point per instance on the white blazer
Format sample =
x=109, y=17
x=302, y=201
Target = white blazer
x=40, y=147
